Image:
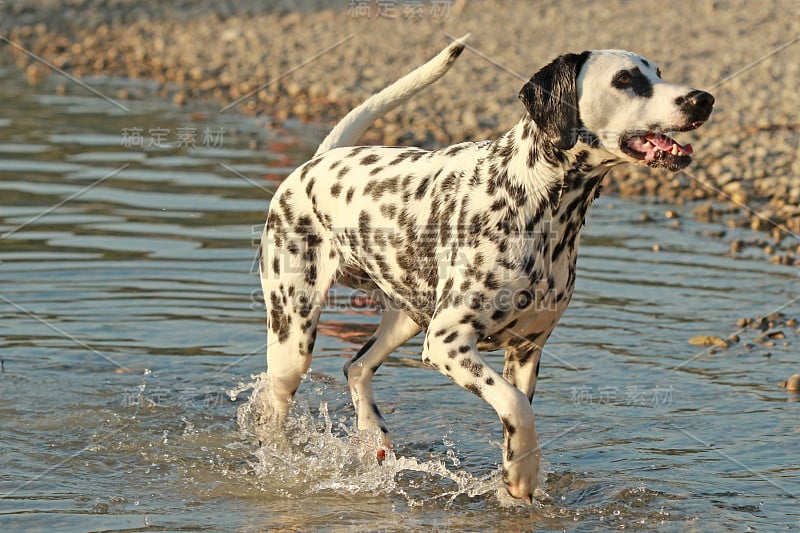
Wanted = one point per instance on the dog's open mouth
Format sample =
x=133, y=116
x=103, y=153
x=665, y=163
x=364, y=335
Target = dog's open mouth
x=656, y=149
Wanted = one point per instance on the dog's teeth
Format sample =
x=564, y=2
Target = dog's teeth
x=674, y=149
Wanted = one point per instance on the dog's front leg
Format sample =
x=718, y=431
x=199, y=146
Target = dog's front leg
x=451, y=349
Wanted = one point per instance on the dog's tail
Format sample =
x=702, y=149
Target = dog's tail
x=350, y=128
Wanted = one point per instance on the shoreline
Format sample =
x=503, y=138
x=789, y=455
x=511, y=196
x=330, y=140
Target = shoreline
x=316, y=62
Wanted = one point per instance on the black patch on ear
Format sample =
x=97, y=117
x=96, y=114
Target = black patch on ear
x=551, y=98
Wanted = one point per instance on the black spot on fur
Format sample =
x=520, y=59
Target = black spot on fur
x=342, y=171
x=453, y=150
x=279, y=321
x=308, y=166
x=388, y=211
x=350, y=192
x=475, y=367
x=450, y=338
x=421, y=188
x=371, y=159
x=474, y=389
x=357, y=150
x=336, y=188
x=286, y=208
x=455, y=52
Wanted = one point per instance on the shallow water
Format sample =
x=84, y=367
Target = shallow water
x=129, y=308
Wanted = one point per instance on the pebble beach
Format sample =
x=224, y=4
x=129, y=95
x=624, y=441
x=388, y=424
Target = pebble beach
x=314, y=61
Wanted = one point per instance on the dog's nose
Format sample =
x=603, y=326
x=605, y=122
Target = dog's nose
x=697, y=101
x=697, y=105
x=701, y=100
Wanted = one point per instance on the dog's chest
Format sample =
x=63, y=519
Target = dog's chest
x=547, y=272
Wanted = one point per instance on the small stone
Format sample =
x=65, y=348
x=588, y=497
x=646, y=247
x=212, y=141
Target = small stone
x=792, y=384
x=760, y=323
x=777, y=316
x=656, y=247
x=671, y=214
x=709, y=340
x=294, y=89
x=739, y=198
x=792, y=322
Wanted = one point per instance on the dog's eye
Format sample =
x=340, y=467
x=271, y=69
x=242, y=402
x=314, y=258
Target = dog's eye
x=622, y=79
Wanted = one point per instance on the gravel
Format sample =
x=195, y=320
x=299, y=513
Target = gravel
x=266, y=57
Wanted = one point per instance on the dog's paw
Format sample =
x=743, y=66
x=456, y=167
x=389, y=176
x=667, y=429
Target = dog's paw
x=521, y=473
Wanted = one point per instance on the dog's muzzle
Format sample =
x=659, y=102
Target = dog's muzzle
x=656, y=148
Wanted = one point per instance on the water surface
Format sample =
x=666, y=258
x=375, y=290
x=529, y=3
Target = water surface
x=129, y=307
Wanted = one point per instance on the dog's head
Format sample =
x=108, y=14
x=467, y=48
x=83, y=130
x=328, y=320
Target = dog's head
x=615, y=101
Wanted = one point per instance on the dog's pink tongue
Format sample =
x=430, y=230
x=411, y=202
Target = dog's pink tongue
x=666, y=144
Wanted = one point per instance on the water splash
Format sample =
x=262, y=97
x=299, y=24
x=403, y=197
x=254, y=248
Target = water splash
x=315, y=454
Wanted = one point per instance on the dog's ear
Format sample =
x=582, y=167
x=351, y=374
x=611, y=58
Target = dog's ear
x=551, y=98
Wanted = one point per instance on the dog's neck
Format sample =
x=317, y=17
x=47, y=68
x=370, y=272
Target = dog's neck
x=540, y=183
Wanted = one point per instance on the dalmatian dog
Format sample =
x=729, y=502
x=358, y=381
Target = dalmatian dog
x=474, y=244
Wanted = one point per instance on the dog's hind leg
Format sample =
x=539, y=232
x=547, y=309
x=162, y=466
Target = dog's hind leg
x=395, y=328
x=521, y=368
x=297, y=268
